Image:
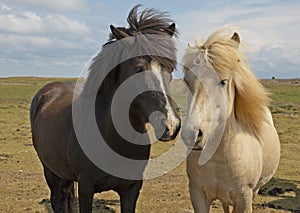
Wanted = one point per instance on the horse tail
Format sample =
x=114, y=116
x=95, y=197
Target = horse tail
x=35, y=106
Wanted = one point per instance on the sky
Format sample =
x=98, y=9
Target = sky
x=58, y=38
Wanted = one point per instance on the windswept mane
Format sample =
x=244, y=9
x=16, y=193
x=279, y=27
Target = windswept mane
x=222, y=53
x=149, y=21
x=148, y=35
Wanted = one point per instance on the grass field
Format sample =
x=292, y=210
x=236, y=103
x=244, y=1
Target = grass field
x=23, y=188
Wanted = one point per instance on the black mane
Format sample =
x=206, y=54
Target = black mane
x=149, y=21
x=148, y=36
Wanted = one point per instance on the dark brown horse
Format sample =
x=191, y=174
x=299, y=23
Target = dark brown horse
x=138, y=59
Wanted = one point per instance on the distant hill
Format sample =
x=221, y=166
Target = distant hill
x=294, y=81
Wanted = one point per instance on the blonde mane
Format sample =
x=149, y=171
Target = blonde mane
x=222, y=53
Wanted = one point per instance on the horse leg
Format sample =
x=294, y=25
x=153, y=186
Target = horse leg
x=225, y=208
x=200, y=200
x=129, y=197
x=86, y=194
x=243, y=203
x=54, y=183
x=68, y=199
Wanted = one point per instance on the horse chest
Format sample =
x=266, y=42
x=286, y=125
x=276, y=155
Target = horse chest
x=226, y=171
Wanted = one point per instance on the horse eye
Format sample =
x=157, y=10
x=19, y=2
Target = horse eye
x=224, y=82
x=139, y=69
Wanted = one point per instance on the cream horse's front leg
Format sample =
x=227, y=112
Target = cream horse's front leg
x=200, y=200
x=243, y=202
x=226, y=208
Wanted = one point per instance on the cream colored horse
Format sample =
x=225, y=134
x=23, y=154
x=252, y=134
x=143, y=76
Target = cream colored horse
x=235, y=147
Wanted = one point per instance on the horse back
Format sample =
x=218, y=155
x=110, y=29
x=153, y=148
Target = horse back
x=51, y=124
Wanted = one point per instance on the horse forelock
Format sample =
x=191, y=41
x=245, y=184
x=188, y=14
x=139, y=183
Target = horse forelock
x=222, y=53
x=153, y=24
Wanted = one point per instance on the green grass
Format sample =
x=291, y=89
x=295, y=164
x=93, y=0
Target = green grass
x=22, y=185
x=23, y=188
x=285, y=108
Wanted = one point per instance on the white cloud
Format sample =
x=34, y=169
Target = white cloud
x=36, y=43
x=24, y=43
x=60, y=23
x=31, y=23
x=272, y=23
x=26, y=23
x=54, y=35
x=269, y=32
x=280, y=61
x=275, y=24
x=251, y=41
x=4, y=9
x=56, y=5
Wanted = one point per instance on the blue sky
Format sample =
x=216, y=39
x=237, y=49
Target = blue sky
x=57, y=38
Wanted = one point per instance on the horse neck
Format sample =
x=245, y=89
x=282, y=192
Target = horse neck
x=110, y=133
x=104, y=108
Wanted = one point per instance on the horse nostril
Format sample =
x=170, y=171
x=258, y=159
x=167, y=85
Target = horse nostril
x=200, y=134
x=170, y=129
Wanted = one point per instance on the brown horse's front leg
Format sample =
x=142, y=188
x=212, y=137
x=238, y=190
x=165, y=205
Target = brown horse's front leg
x=68, y=198
x=129, y=196
x=86, y=195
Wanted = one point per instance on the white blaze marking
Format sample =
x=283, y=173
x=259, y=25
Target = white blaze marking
x=155, y=66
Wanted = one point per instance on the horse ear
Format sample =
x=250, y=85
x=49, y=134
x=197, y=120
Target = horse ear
x=171, y=30
x=236, y=37
x=118, y=33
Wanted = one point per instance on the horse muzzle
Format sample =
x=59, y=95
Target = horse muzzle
x=192, y=139
x=172, y=129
